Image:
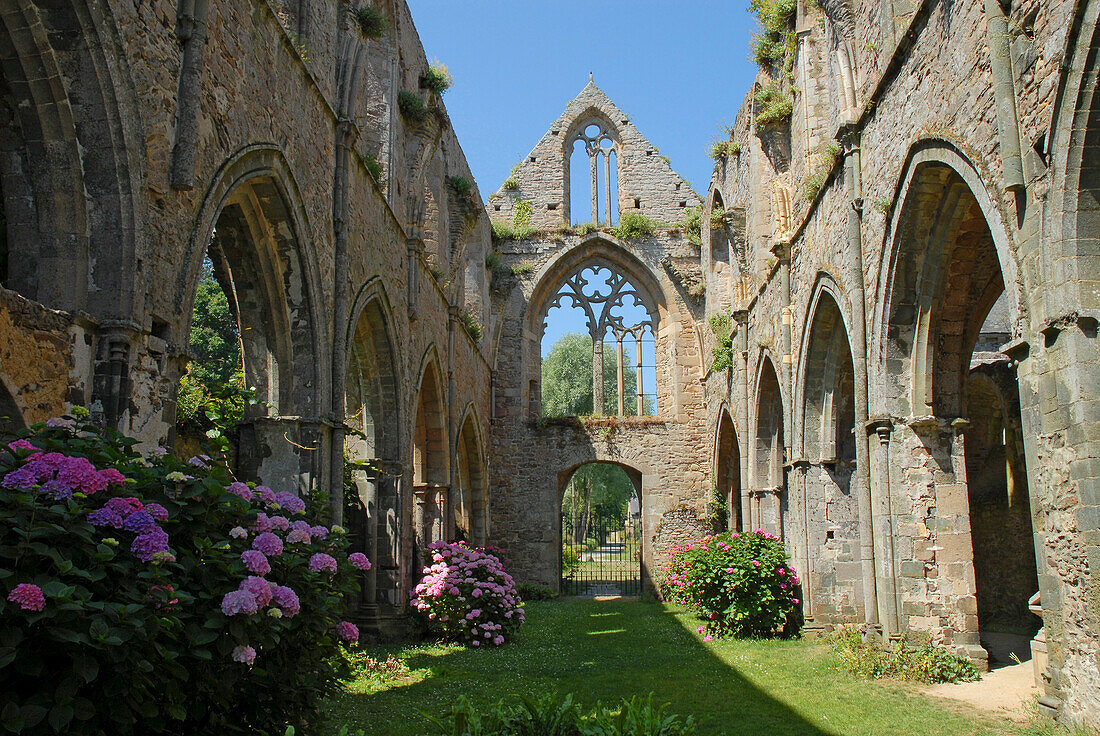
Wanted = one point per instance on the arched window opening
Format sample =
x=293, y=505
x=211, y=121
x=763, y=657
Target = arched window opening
x=430, y=460
x=727, y=474
x=593, y=175
x=601, y=530
x=769, y=473
x=829, y=390
x=469, y=503
x=372, y=509
x=598, y=347
x=253, y=363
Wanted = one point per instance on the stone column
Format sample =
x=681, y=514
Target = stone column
x=597, y=374
x=619, y=369
x=607, y=186
x=638, y=372
x=593, y=152
x=883, y=515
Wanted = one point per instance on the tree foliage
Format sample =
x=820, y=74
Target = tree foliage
x=567, y=379
x=598, y=489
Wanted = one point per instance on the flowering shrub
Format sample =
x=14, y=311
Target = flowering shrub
x=466, y=596
x=151, y=595
x=741, y=583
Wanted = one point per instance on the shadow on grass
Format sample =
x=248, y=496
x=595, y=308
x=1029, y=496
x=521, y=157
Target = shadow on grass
x=598, y=651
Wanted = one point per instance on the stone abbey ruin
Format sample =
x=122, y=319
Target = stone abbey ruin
x=875, y=335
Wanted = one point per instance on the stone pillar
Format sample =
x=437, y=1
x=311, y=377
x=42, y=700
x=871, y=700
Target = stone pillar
x=607, y=186
x=619, y=369
x=741, y=316
x=883, y=515
x=799, y=469
x=285, y=453
x=593, y=152
x=638, y=372
x=597, y=374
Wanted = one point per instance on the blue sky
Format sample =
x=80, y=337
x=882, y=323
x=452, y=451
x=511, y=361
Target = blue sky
x=679, y=69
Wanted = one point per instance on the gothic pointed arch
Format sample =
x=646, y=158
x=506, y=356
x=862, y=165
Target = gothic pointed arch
x=727, y=469
x=470, y=500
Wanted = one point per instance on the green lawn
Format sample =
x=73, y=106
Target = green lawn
x=612, y=650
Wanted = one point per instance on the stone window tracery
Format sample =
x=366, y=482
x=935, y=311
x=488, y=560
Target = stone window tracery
x=597, y=141
x=618, y=317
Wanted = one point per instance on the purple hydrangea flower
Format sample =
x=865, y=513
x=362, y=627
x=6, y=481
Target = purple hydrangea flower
x=105, y=516
x=318, y=532
x=28, y=596
x=299, y=524
x=198, y=462
x=322, y=562
x=266, y=495
x=269, y=544
x=262, y=523
x=158, y=512
x=280, y=522
x=21, y=445
x=286, y=599
x=256, y=562
x=240, y=490
x=57, y=489
x=290, y=503
x=259, y=588
x=23, y=477
x=239, y=601
x=347, y=631
x=112, y=476
x=145, y=546
x=124, y=506
x=359, y=560
x=139, y=523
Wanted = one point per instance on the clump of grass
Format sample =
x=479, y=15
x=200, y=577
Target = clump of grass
x=370, y=21
x=585, y=228
x=928, y=663
x=773, y=42
x=827, y=158
x=773, y=104
x=720, y=150
x=510, y=184
x=521, y=269
x=411, y=105
x=461, y=185
x=634, y=226
x=883, y=204
x=693, y=224
x=373, y=167
x=437, y=78
x=471, y=325
x=502, y=231
x=717, y=217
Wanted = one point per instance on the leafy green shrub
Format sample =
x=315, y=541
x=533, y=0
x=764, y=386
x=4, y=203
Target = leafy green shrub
x=151, y=595
x=827, y=158
x=570, y=561
x=585, y=228
x=510, y=184
x=776, y=32
x=556, y=715
x=502, y=231
x=741, y=584
x=722, y=354
x=522, y=269
x=374, y=168
x=724, y=149
x=927, y=663
x=437, y=78
x=370, y=21
x=521, y=220
x=773, y=104
x=633, y=226
x=693, y=224
x=530, y=592
x=717, y=217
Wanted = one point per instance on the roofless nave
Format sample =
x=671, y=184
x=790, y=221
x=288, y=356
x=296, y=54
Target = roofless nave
x=898, y=243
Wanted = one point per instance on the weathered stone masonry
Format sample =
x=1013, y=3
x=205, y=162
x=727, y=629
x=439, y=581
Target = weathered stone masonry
x=909, y=266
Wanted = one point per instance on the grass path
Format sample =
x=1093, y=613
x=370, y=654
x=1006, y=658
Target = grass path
x=612, y=650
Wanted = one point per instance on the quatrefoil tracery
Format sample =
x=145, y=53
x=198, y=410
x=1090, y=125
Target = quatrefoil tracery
x=602, y=306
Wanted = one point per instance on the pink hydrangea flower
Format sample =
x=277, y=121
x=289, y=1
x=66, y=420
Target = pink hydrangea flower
x=269, y=544
x=259, y=588
x=244, y=654
x=256, y=562
x=280, y=522
x=347, y=631
x=239, y=601
x=290, y=503
x=29, y=597
x=240, y=490
x=265, y=494
x=322, y=562
x=359, y=561
x=286, y=599
x=262, y=523
x=21, y=445
x=113, y=476
x=318, y=532
x=298, y=536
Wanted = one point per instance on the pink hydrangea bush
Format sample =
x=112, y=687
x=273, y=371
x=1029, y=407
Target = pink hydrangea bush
x=466, y=596
x=741, y=584
x=142, y=593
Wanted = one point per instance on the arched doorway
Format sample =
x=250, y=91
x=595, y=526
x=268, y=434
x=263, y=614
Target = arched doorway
x=430, y=470
x=470, y=500
x=727, y=473
x=769, y=477
x=945, y=317
x=601, y=525
x=372, y=482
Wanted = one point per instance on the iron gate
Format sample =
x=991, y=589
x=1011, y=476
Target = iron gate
x=601, y=555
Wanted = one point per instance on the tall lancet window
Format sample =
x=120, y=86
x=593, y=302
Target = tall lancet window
x=593, y=175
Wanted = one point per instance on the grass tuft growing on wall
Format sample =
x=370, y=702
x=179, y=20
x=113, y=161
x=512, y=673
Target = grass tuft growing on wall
x=370, y=21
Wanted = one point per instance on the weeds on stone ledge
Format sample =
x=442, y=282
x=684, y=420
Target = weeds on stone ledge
x=438, y=78
x=774, y=104
x=370, y=21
